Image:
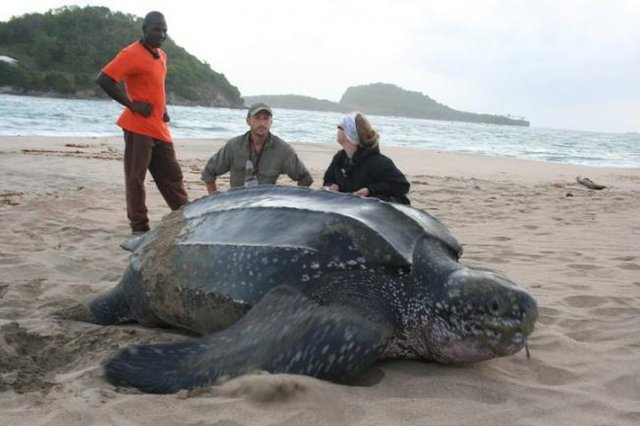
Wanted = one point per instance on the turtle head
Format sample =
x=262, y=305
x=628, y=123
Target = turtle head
x=475, y=315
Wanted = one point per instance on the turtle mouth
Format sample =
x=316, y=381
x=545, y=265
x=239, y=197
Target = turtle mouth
x=507, y=336
x=481, y=340
x=481, y=348
x=510, y=346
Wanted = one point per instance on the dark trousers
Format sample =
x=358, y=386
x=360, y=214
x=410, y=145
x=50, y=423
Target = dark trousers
x=142, y=153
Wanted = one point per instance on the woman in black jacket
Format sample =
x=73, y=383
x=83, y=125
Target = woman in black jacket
x=360, y=168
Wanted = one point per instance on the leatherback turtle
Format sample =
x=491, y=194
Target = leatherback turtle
x=296, y=280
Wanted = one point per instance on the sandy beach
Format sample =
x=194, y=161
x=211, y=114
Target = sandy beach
x=577, y=250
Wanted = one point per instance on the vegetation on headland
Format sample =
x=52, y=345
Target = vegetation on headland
x=304, y=103
x=60, y=53
x=385, y=99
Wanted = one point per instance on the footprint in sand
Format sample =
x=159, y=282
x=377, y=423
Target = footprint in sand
x=584, y=266
x=547, y=252
x=616, y=311
x=585, y=301
x=624, y=386
x=553, y=376
x=559, y=219
x=498, y=260
x=630, y=266
x=625, y=258
x=547, y=315
x=580, y=287
x=584, y=336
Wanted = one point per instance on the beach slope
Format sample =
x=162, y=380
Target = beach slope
x=62, y=218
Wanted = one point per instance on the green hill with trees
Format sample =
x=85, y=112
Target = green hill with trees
x=305, y=103
x=385, y=99
x=60, y=53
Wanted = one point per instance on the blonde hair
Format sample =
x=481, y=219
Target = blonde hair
x=369, y=137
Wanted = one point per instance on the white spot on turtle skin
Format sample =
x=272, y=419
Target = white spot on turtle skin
x=330, y=360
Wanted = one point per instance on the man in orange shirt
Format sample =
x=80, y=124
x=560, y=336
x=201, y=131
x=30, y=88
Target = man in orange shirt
x=143, y=67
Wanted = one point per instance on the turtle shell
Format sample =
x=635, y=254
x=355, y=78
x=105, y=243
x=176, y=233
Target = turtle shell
x=239, y=244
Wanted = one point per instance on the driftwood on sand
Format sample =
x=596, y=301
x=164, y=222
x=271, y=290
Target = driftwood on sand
x=589, y=183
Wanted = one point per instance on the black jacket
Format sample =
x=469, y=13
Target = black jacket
x=371, y=169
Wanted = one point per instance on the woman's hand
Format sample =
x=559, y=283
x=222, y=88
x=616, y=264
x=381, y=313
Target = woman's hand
x=363, y=192
x=211, y=187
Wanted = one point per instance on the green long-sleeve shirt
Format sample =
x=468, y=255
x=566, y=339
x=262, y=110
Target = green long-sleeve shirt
x=277, y=157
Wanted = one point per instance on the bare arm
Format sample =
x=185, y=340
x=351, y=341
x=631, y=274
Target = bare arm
x=218, y=164
x=115, y=92
x=296, y=170
x=211, y=187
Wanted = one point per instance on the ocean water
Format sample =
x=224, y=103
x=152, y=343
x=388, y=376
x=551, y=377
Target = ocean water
x=25, y=116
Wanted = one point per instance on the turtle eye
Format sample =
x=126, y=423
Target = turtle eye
x=495, y=307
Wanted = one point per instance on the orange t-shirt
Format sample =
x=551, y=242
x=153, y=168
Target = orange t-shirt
x=144, y=80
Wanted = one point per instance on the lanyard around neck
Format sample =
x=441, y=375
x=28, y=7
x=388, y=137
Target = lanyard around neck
x=258, y=155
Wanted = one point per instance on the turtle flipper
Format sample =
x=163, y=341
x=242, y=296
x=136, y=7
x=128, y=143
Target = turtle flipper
x=128, y=301
x=286, y=332
x=110, y=307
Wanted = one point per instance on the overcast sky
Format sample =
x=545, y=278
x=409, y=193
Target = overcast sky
x=572, y=64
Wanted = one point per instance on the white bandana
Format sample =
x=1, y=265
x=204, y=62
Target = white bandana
x=349, y=126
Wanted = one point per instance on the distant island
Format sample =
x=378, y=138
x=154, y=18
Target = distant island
x=385, y=99
x=60, y=52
